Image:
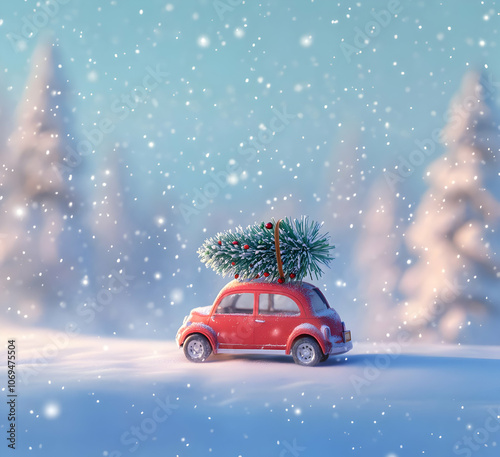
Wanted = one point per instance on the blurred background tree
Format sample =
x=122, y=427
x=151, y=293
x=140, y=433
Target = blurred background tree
x=44, y=249
x=452, y=290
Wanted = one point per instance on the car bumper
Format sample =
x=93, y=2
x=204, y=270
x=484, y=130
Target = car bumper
x=340, y=348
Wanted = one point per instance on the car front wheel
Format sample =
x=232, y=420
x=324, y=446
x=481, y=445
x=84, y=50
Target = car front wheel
x=197, y=348
x=306, y=352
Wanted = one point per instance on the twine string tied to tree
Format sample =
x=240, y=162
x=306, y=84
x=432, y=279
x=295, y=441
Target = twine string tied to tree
x=277, y=247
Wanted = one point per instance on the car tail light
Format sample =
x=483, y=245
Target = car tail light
x=346, y=334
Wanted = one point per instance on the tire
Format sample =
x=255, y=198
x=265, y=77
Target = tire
x=306, y=352
x=197, y=348
x=324, y=357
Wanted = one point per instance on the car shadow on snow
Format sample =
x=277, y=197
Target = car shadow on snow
x=270, y=358
x=218, y=358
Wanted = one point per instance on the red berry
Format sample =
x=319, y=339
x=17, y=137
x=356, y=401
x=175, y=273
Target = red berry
x=281, y=280
x=246, y=246
x=233, y=263
x=220, y=242
x=266, y=274
x=269, y=225
x=292, y=275
x=235, y=243
x=236, y=276
x=256, y=276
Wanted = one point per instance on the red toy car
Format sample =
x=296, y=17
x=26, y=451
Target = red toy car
x=258, y=317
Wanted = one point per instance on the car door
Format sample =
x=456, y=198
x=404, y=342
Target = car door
x=233, y=321
x=277, y=316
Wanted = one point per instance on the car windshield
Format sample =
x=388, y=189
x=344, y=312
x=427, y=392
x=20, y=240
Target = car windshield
x=318, y=301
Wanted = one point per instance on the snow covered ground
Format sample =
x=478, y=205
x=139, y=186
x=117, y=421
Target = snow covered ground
x=90, y=396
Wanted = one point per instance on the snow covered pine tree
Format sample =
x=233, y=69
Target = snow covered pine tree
x=453, y=290
x=276, y=251
x=379, y=261
x=43, y=250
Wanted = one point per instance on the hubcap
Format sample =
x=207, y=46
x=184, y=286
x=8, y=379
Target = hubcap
x=195, y=349
x=305, y=353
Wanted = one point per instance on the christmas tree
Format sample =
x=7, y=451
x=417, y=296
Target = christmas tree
x=276, y=251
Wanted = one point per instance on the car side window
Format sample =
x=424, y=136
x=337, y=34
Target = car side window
x=277, y=304
x=236, y=304
x=318, y=301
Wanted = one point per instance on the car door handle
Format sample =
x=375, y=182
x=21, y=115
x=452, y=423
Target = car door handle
x=259, y=321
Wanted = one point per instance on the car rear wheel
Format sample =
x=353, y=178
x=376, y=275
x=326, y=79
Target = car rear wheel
x=197, y=348
x=306, y=352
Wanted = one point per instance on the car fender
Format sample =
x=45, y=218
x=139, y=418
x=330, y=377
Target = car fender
x=306, y=330
x=203, y=329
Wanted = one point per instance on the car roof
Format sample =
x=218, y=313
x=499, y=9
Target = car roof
x=301, y=290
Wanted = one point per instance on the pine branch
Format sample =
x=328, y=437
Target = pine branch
x=250, y=253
